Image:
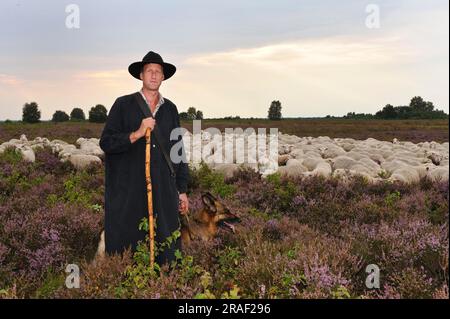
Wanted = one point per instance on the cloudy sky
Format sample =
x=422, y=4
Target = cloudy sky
x=234, y=57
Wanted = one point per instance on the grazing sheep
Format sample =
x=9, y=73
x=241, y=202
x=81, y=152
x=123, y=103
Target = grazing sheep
x=282, y=159
x=322, y=169
x=228, y=170
x=81, y=161
x=297, y=153
x=406, y=175
x=296, y=156
x=293, y=170
x=311, y=163
x=293, y=162
x=439, y=173
x=344, y=162
x=27, y=153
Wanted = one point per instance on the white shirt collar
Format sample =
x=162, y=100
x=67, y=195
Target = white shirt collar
x=160, y=101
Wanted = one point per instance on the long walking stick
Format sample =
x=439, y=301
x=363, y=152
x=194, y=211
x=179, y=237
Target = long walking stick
x=149, y=198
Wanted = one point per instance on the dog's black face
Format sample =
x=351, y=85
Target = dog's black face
x=221, y=214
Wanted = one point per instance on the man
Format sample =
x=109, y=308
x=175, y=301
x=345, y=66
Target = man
x=123, y=141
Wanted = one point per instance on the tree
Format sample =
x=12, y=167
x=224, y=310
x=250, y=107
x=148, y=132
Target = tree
x=275, y=111
x=418, y=104
x=60, y=116
x=199, y=115
x=184, y=116
x=98, y=114
x=192, y=113
x=31, y=113
x=388, y=112
x=429, y=107
x=77, y=114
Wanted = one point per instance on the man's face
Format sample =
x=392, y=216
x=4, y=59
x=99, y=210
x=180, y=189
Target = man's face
x=152, y=75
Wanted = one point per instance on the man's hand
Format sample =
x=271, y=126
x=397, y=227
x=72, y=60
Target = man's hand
x=146, y=123
x=183, y=204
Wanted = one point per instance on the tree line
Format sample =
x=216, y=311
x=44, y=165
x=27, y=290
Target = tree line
x=418, y=108
x=32, y=114
x=97, y=114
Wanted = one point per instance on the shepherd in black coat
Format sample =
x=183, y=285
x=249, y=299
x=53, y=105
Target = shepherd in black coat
x=123, y=141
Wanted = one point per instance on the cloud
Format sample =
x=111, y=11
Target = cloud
x=315, y=77
x=10, y=80
x=314, y=52
x=102, y=75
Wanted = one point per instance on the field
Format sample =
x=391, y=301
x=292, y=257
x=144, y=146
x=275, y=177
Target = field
x=407, y=130
x=303, y=237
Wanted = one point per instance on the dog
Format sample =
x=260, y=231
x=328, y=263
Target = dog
x=203, y=224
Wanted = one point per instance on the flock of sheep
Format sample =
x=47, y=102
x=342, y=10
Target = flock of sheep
x=88, y=151
x=294, y=156
x=341, y=157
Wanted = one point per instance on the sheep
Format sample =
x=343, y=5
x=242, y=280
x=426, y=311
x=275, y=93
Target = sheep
x=81, y=161
x=332, y=152
x=293, y=162
x=26, y=152
x=293, y=170
x=228, y=170
x=322, y=169
x=406, y=175
x=282, y=159
x=344, y=162
x=439, y=173
x=400, y=160
x=359, y=169
x=311, y=163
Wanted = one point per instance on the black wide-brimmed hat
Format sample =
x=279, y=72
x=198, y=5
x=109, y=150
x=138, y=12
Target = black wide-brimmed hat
x=151, y=57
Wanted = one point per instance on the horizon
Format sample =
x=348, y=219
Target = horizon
x=317, y=59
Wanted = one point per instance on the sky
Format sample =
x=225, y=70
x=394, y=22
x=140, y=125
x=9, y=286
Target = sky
x=317, y=57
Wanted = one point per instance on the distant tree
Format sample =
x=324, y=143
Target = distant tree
x=388, y=112
x=199, y=115
x=417, y=109
x=192, y=113
x=31, y=113
x=98, y=114
x=357, y=116
x=237, y=117
x=77, y=114
x=275, y=111
x=418, y=104
x=60, y=116
x=184, y=116
x=429, y=107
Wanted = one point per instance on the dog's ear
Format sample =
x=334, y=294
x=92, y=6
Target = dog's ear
x=209, y=202
x=210, y=195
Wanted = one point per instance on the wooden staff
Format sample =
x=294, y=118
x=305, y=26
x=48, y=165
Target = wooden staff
x=149, y=198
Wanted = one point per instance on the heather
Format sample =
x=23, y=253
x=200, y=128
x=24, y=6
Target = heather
x=302, y=237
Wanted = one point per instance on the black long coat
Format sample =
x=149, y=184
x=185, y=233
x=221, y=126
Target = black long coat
x=125, y=186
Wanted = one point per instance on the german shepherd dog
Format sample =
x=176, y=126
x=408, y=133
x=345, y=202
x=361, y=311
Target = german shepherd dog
x=203, y=224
